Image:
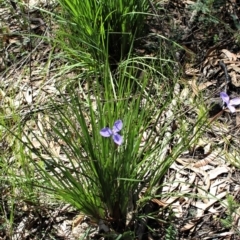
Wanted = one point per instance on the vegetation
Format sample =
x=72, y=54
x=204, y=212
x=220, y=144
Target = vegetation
x=118, y=121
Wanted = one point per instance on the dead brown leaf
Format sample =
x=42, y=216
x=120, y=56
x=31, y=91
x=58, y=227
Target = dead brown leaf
x=231, y=56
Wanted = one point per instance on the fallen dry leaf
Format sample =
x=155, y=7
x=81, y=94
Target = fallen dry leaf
x=204, y=85
x=78, y=220
x=206, y=160
x=231, y=56
x=217, y=171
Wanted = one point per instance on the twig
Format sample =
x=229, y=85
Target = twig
x=13, y=4
x=227, y=77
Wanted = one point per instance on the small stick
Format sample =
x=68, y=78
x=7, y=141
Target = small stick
x=216, y=116
x=13, y=4
x=227, y=77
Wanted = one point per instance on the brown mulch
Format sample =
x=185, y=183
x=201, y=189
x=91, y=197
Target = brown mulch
x=209, y=170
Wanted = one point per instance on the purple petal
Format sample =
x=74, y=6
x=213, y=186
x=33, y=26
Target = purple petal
x=234, y=101
x=231, y=108
x=117, y=139
x=224, y=97
x=117, y=126
x=106, y=132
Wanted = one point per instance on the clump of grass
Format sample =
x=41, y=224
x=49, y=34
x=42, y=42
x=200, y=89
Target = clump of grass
x=100, y=176
x=96, y=31
x=15, y=174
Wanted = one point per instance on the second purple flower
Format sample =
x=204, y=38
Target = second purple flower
x=230, y=103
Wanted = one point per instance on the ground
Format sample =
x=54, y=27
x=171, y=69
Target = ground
x=207, y=32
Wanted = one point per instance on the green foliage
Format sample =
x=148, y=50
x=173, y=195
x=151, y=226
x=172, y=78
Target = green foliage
x=204, y=6
x=205, y=11
x=101, y=30
x=232, y=214
x=207, y=6
x=215, y=14
x=171, y=233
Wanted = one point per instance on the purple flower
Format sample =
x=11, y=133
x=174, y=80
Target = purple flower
x=230, y=103
x=107, y=132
